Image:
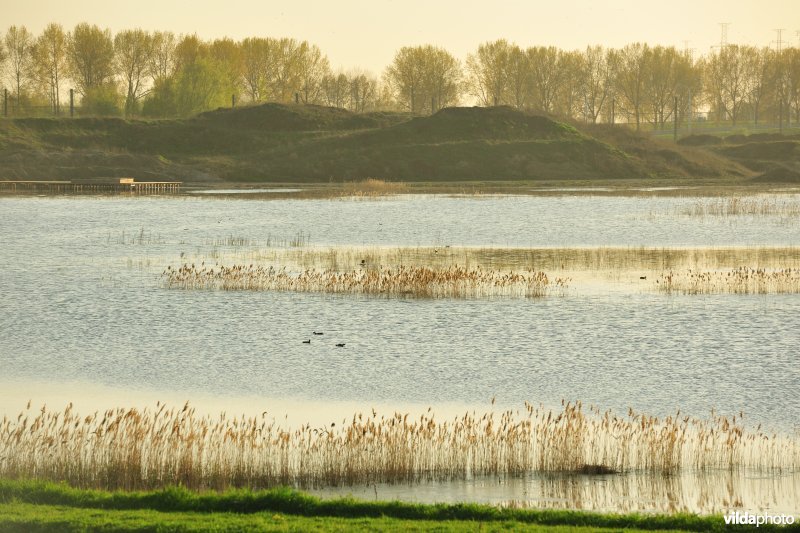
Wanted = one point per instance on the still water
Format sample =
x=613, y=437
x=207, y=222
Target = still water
x=80, y=302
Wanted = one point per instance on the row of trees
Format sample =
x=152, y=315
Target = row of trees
x=638, y=82
x=160, y=74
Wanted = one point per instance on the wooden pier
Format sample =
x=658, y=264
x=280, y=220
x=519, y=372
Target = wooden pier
x=92, y=186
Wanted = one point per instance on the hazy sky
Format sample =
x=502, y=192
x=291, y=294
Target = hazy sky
x=367, y=33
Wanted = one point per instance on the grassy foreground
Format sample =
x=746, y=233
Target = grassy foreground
x=41, y=506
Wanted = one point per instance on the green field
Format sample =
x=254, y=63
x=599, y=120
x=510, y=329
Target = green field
x=39, y=506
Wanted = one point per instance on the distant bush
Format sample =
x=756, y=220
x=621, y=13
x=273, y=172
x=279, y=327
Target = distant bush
x=161, y=102
x=104, y=101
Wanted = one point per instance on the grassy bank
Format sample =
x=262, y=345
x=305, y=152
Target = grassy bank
x=27, y=506
x=312, y=144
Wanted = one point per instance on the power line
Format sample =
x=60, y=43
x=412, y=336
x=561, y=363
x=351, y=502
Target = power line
x=779, y=41
x=723, y=35
x=689, y=52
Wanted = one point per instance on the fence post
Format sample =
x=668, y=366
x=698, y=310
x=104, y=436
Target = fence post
x=71, y=103
x=233, y=101
x=296, y=98
x=689, y=118
x=675, y=120
x=613, y=110
x=5, y=102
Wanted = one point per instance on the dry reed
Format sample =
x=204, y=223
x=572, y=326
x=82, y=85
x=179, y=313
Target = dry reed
x=423, y=282
x=745, y=206
x=371, y=187
x=544, y=259
x=138, y=449
x=297, y=240
x=742, y=280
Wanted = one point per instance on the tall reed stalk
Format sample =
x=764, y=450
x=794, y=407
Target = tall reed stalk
x=136, y=449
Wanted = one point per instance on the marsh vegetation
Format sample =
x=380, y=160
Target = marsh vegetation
x=452, y=282
x=741, y=280
x=468, y=272
x=164, y=446
x=416, y=275
x=785, y=207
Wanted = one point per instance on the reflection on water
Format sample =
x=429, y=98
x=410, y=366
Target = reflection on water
x=244, y=191
x=697, y=492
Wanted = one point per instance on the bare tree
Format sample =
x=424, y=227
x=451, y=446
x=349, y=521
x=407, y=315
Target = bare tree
x=761, y=76
x=548, y=72
x=312, y=66
x=90, y=57
x=661, y=82
x=133, y=53
x=336, y=90
x=284, y=80
x=424, y=78
x=444, y=77
x=790, y=69
x=3, y=56
x=363, y=91
x=19, y=46
x=520, y=78
x=630, y=81
x=726, y=81
x=570, y=100
x=162, y=59
x=488, y=72
x=50, y=61
x=257, y=64
x=596, y=81
x=406, y=77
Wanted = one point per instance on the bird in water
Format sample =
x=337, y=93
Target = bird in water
x=319, y=333
x=307, y=342
x=340, y=345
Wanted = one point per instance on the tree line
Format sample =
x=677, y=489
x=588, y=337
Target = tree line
x=160, y=74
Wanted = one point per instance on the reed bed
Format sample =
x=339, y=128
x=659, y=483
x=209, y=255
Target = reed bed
x=299, y=239
x=421, y=282
x=544, y=259
x=371, y=187
x=742, y=280
x=786, y=207
x=151, y=448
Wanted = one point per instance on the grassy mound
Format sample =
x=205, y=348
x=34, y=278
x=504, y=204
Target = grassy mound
x=778, y=174
x=294, y=118
x=280, y=143
x=664, y=158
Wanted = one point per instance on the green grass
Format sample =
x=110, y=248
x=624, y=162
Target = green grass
x=31, y=505
x=46, y=518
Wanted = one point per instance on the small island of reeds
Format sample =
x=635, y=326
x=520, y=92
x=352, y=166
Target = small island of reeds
x=410, y=281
